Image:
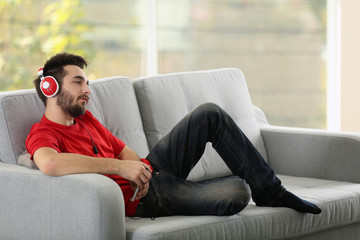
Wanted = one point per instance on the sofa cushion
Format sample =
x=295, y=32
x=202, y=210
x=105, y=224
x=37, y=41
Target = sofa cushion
x=340, y=203
x=19, y=110
x=25, y=160
x=112, y=102
x=165, y=99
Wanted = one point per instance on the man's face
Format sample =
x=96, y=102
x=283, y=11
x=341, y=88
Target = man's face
x=74, y=93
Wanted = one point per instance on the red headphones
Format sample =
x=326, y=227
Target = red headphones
x=48, y=85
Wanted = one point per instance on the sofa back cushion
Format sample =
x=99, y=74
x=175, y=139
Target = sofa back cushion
x=112, y=102
x=19, y=110
x=165, y=99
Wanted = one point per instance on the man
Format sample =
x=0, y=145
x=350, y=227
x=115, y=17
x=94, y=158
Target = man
x=70, y=140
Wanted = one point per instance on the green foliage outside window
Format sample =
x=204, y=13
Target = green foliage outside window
x=24, y=44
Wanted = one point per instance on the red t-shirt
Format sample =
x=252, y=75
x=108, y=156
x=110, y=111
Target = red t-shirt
x=76, y=139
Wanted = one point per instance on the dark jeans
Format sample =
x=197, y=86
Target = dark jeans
x=177, y=153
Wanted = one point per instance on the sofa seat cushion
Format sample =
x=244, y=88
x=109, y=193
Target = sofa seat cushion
x=340, y=203
x=165, y=99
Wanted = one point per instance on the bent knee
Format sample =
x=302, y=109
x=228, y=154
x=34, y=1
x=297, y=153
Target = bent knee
x=237, y=197
x=209, y=109
x=241, y=197
x=208, y=106
x=235, y=205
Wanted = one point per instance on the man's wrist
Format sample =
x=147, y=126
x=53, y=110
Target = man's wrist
x=111, y=166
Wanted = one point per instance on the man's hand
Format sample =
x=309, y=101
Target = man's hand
x=141, y=193
x=136, y=172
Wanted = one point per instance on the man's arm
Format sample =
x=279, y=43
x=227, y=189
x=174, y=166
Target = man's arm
x=52, y=163
x=128, y=154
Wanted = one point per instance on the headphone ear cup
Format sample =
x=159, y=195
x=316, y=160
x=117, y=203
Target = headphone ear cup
x=49, y=86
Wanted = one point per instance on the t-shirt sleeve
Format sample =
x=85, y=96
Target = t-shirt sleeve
x=41, y=138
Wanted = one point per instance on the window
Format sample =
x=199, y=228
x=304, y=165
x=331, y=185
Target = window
x=279, y=45
x=108, y=33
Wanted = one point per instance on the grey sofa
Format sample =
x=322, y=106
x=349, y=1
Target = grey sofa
x=319, y=166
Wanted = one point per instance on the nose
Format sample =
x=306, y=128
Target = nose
x=86, y=89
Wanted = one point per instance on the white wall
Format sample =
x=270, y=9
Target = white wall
x=350, y=65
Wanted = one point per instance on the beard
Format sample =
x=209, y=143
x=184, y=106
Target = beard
x=68, y=104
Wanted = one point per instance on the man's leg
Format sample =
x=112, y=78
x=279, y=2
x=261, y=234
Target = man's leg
x=178, y=152
x=170, y=196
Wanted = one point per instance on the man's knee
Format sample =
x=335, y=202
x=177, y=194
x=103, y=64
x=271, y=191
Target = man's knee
x=209, y=110
x=231, y=206
x=240, y=198
x=208, y=107
x=233, y=197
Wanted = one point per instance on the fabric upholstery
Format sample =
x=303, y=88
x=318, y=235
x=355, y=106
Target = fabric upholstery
x=165, y=99
x=313, y=153
x=25, y=160
x=19, y=110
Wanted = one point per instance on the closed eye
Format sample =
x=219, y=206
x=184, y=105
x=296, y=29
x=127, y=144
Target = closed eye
x=80, y=80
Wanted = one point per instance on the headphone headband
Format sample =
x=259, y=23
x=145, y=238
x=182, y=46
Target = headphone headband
x=41, y=72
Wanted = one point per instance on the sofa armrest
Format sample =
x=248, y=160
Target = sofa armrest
x=79, y=206
x=313, y=153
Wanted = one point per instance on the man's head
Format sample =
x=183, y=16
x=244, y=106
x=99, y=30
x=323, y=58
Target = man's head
x=55, y=67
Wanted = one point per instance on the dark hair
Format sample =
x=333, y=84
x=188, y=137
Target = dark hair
x=55, y=67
